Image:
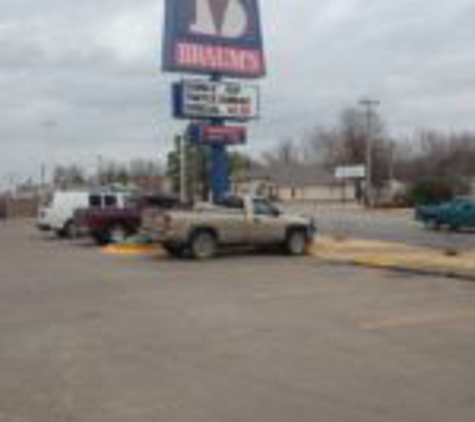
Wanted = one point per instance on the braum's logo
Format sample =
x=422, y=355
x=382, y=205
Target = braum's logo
x=213, y=37
x=223, y=18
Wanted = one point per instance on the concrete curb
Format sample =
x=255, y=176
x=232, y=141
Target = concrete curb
x=446, y=273
x=395, y=257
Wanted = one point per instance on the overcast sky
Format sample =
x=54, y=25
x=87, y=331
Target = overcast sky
x=79, y=79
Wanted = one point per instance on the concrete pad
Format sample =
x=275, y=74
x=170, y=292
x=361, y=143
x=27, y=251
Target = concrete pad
x=398, y=256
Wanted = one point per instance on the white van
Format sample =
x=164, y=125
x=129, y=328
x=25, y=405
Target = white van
x=58, y=213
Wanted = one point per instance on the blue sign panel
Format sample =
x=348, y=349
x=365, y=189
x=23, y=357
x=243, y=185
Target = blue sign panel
x=213, y=37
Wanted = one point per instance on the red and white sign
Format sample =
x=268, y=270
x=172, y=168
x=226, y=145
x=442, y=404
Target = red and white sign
x=219, y=59
x=214, y=36
x=223, y=135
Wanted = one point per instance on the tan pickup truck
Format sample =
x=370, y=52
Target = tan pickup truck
x=246, y=221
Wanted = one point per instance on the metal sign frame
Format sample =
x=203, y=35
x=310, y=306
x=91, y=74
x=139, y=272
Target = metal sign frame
x=201, y=99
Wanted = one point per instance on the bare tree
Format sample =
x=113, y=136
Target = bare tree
x=347, y=143
x=440, y=155
x=286, y=154
x=67, y=176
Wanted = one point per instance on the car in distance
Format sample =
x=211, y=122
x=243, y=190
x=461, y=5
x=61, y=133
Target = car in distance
x=246, y=221
x=454, y=214
x=57, y=214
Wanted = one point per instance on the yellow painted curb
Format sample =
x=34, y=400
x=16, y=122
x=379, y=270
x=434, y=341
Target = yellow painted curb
x=130, y=250
x=395, y=256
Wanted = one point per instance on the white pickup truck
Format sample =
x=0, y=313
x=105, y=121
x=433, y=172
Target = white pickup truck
x=246, y=221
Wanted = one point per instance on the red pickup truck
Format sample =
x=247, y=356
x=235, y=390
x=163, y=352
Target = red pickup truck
x=108, y=225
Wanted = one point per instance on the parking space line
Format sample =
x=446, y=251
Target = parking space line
x=415, y=321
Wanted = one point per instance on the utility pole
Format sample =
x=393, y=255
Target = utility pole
x=49, y=126
x=183, y=170
x=42, y=176
x=369, y=105
x=100, y=169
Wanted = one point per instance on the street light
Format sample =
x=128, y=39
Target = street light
x=100, y=167
x=49, y=126
x=369, y=106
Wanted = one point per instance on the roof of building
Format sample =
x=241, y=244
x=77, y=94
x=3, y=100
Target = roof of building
x=291, y=175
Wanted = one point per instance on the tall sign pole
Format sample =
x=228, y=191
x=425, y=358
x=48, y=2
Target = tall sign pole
x=219, y=171
x=217, y=39
x=369, y=106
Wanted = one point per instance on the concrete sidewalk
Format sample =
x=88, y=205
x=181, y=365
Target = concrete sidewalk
x=397, y=256
x=348, y=206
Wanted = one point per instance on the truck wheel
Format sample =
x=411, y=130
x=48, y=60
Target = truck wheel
x=203, y=245
x=454, y=227
x=100, y=239
x=432, y=224
x=175, y=251
x=296, y=243
x=70, y=230
x=60, y=233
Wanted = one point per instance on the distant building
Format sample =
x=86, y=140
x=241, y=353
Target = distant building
x=18, y=206
x=295, y=183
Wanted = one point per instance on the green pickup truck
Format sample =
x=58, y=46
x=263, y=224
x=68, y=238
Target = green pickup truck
x=455, y=214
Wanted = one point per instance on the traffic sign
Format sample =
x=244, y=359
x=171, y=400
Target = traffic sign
x=201, y=99
x=350, y=172
x=213, y=37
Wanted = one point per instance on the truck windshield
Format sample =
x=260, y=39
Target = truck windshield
x=232, y=202
x=110, y=201
x=264, y=207
x=95, y=201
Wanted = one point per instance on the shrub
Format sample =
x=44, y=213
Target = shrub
x=436, y=190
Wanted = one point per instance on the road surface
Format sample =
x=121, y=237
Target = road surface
x=94, y=338
x=393, y=225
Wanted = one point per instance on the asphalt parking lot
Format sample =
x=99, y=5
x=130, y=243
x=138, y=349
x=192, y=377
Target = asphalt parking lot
x=96, y=338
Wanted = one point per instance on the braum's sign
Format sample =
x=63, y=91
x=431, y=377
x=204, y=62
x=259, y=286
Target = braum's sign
x=213, y=36
x=200, y=99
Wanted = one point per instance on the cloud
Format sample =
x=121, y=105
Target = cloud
x=93, y=67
